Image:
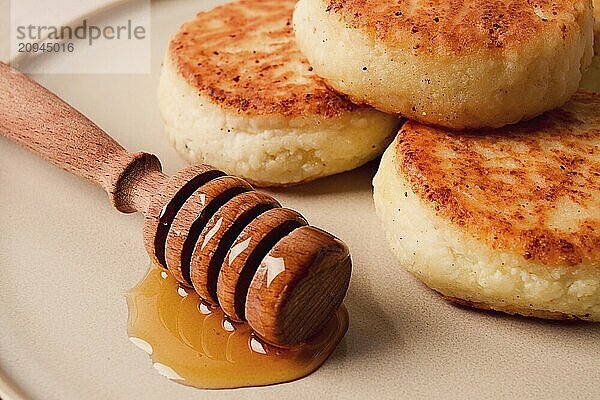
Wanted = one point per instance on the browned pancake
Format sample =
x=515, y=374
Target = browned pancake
x=243, y=56
x=457, y=26
x=531, y=189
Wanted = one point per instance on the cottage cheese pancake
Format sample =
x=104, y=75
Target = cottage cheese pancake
x=481, y=63
x=506, y=219
x=235, y=92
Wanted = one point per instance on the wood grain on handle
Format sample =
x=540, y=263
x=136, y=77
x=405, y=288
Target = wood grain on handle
x=39, y=120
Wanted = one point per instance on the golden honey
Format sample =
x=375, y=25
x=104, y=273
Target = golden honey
x=193, y=344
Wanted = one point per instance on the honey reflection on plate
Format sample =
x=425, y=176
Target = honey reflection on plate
x=192, y=344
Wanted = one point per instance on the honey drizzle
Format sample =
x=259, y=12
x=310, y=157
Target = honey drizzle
x=193, y=344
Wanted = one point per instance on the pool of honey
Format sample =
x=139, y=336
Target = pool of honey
x=195, y=345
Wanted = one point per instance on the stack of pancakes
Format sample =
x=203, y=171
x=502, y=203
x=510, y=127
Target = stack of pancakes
x=490, y=193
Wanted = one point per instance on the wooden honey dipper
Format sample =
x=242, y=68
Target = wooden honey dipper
x=236, y=247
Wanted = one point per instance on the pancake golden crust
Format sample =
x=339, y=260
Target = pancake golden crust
x=531, y=189
x=458, y=27
x=217, y=53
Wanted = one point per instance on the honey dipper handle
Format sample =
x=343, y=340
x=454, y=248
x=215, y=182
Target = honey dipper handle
x=39, y=120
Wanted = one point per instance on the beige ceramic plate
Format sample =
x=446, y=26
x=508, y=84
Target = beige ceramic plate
x=67, y=260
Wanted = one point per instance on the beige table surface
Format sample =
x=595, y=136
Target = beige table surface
x=67, y=260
